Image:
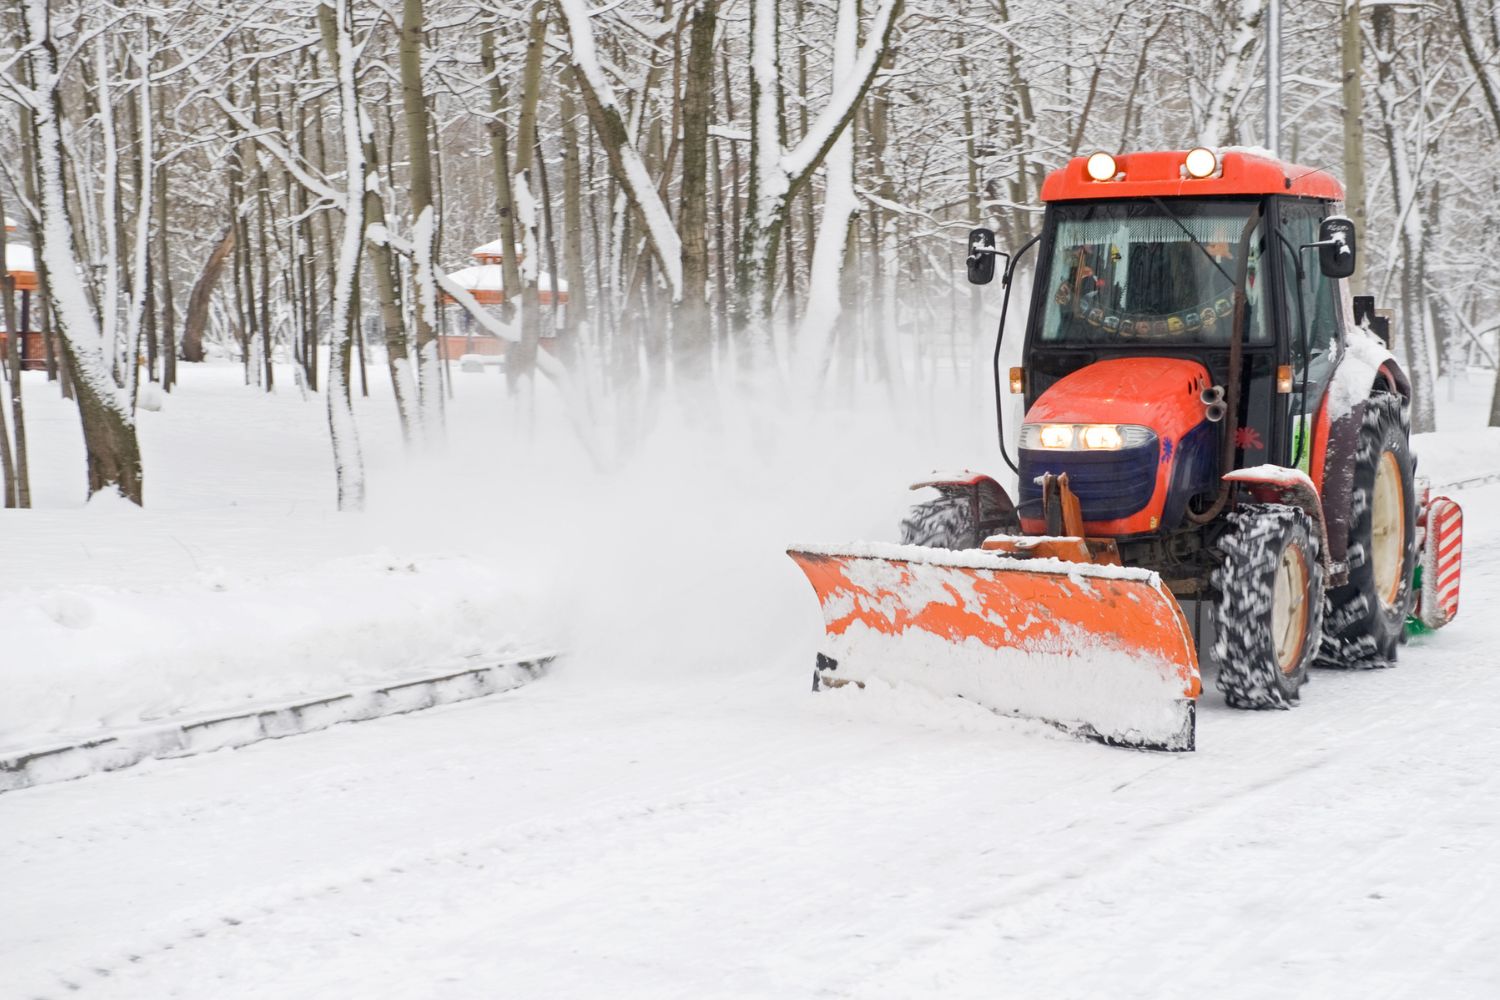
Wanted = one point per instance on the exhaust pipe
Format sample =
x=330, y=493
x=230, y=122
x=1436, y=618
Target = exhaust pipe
x=1214, y=407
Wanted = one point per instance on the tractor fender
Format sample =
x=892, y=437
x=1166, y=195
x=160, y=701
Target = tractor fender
x=990, y=506
x=1279, y=484
x=962, y=478
x=1366, y=367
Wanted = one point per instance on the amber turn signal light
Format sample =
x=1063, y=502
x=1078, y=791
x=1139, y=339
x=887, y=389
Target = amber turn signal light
x=1284, y=379
x=1017, y=381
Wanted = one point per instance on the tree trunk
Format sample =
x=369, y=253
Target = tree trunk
x=263, y=262
x=1354, y=131
x=263, y=252
x=348, y=463
x=554, y=310
x=13, y=442
x=114, y=458
x=1414, y=334
x=1028, y=177
x=419, y=156
x=196, y=319
x=576, y=312
x=144, y=176
x=388, y=299
x=692, y=329
x=510, y=268
x=777, y=173
x=164, y=296
x=1480, y=66
x=1235, y=76
x=840, y=206
x=7, y=464
x=625, y=161
x=520, y=357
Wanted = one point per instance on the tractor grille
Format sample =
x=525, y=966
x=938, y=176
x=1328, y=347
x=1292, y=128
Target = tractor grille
x=1108, y=484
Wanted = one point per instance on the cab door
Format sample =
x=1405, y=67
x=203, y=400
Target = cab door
x=1309, y=324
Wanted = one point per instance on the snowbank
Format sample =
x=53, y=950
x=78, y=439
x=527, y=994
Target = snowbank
x=83, y=657
x=238, y=586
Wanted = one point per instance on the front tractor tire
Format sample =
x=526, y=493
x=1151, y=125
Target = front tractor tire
x=1270, y=609
x=945, y=523
x=1365, y=617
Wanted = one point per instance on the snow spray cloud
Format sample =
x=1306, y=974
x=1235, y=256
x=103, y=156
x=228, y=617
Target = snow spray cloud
x=671, y=564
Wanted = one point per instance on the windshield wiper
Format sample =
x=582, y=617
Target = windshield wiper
x=1189, y=234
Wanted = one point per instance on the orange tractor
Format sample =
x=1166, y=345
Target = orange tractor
x=1209, y=416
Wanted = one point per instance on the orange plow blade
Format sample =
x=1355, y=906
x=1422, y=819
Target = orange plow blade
x=1101, y=651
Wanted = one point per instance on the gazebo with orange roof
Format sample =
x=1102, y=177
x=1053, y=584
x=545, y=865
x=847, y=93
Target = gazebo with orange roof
x=20, y=264
x=486, y=282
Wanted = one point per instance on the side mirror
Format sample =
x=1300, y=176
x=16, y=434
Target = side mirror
x=1336, y=246
x=981, y=259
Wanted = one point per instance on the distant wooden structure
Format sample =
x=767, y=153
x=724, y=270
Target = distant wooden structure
x=20, y=262
x=486, y=282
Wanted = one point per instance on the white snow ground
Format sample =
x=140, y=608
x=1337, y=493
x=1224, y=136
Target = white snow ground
x=238, y=585
x=674, y=814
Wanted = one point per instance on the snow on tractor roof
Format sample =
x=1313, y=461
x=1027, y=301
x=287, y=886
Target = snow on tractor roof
x=1164, y=174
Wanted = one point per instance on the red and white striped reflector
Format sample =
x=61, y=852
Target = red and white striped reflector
x=1442, y=562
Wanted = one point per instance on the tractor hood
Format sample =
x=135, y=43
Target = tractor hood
x=1159, y=393
x=1137, y=486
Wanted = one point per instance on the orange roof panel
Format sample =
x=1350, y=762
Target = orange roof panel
x=1161, y=173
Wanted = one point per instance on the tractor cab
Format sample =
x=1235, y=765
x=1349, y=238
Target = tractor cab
x=1187, y=315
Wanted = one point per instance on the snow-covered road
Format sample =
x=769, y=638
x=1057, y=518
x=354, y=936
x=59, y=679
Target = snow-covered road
x=736, y=836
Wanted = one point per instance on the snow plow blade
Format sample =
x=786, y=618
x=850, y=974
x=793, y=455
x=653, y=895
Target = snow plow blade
x=1100, y=651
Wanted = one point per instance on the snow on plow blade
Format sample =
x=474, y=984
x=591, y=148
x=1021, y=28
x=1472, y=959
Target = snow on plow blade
x=1100, y=651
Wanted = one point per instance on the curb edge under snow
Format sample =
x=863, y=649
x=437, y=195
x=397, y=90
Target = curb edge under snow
x=64, y=762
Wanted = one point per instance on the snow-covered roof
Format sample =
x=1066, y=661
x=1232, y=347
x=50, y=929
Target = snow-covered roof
x=491, y=278
x=494, y=248
x=20, y=262
x=18, y=257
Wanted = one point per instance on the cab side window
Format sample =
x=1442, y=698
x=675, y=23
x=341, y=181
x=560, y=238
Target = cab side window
x=1319, y=298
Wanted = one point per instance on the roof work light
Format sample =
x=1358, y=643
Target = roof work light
x=1201, y=162
x=1101, y=167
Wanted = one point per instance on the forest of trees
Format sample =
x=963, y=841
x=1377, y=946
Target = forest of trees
x=734, y=190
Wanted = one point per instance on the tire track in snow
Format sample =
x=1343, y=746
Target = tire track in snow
x=1392, y=712
x=610, y=819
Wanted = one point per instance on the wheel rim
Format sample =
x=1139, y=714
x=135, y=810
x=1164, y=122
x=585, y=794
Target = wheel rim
x=1387, y=529
x=1289, y=608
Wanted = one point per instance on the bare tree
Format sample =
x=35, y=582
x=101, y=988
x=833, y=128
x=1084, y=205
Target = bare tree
x=114, y=458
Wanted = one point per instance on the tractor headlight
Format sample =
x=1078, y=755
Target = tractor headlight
x=1084, y=437
x=1101, y=437
x=1053, y=436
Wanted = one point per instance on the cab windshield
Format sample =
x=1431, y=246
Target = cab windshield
x=1149, y=273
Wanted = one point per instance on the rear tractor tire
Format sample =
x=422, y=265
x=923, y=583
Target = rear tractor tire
x=1270, y=609
x=1365, y=618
